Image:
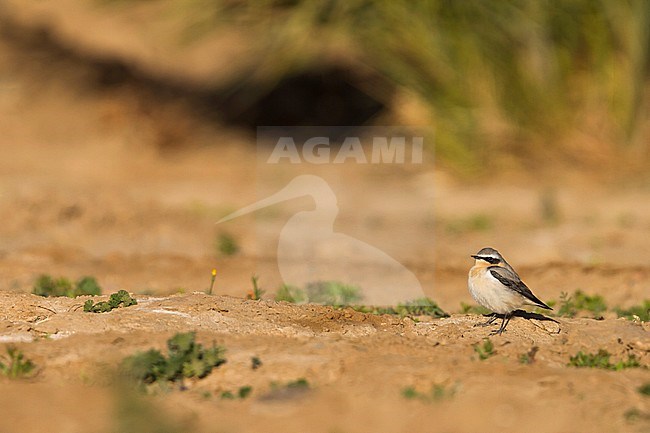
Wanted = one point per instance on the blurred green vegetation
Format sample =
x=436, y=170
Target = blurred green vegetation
x=572, y=305
x=226, y=244
x=601, y=360
x=46, y=286
x=15, y=365
x=186, y=359
x=636, y=312
x=522, y=78
x=332, y=293
x=416, y=307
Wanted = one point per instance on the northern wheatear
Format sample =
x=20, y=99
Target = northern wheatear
x=494, y=284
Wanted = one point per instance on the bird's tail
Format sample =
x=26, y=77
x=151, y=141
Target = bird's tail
x=534, y=300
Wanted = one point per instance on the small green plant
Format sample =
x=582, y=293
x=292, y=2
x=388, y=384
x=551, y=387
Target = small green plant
x=255, y=362
x=420, y=307
x=601, y=360
x=635, y=415
x=87, y=286
x=645, y=389
x=213, y=276
x=185, y=359
x=227, y=395
x=300, y=383
x=528, y=357
x=332, y=293
x=410, y=393
x=45, y=285
x=641, y=311
x=227, y=245
x=256, y=293
x=119, y=299
x=484, y=350
x=292, y=294
x=14, y=365
x=570, y=306
x=242, y=393
x=288, y=390
x=438, y=392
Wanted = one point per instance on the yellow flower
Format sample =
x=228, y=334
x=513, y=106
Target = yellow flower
x=214, y=272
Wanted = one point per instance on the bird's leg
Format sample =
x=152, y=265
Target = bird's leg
x=489, y=321
x=504, y=323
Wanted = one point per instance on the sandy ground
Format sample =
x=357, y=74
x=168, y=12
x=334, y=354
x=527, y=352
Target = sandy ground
x=357, y=366
x=85, y=189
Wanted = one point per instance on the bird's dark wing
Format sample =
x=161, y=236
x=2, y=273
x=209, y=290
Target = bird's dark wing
x=511, y=280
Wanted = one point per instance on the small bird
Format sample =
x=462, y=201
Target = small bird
x=494, y=284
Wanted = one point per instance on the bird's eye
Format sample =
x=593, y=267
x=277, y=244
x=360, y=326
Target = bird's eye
x=491, y=260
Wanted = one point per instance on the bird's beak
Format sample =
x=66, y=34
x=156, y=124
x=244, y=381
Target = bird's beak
x=474, y=256
x=292, y=190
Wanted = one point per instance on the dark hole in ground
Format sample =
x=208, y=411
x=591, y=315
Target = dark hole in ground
x=326, y=95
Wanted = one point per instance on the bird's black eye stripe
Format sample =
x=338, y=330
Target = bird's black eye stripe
x=491, y=260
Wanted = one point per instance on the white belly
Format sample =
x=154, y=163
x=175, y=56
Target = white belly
x=490, y=293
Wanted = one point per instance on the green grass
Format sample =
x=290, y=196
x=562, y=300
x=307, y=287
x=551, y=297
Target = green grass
x=572, y=305
x=641, y=311
x=410, y=393
x=227, y=245
x=288, y=390
x=15, y=365
x=297, y=384
x=417, y=307
x=256, y=293
x=332, y=293
x=420, y=307
x=634, y=415
x=484, y=350
x=342, y=295
x=436, y=393
x=119, y=299
x=601, y=360
x=46, y=285
x=580, y=304
x=289, y=293
x=320, y=292
x=185, y=359
x=504, y=79
x=242, y=393
x=300, y=383
x=645, y=389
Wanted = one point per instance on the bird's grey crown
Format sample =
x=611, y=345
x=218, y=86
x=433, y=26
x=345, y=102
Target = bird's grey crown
x=489, y=252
